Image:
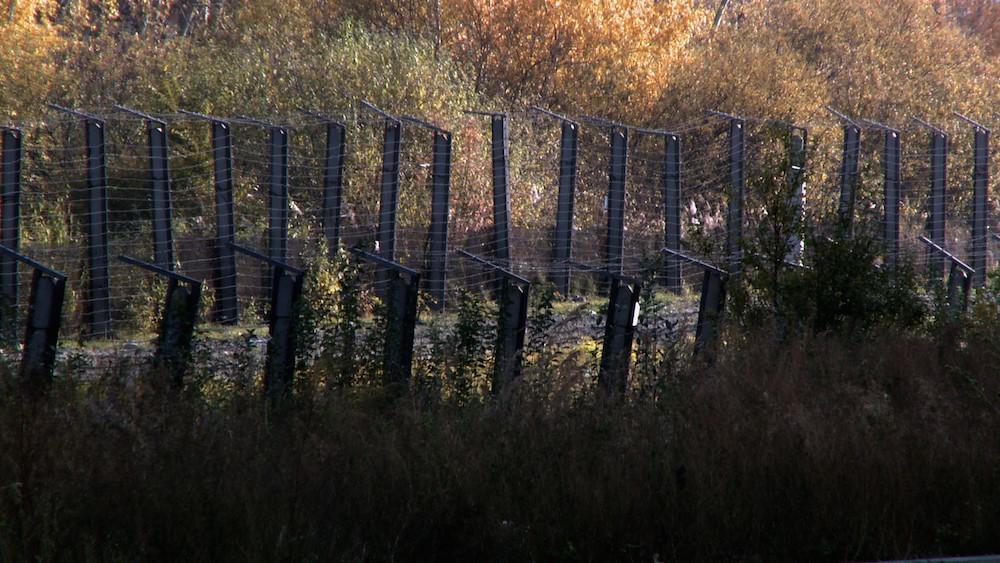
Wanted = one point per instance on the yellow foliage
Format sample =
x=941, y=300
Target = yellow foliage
x=28, y=61
x=883, y=59
x=602, y=56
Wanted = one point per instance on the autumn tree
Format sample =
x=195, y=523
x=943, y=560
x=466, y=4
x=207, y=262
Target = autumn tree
x=28, y=61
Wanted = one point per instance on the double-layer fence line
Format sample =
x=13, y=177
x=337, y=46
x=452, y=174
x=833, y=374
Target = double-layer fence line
x=578, y=201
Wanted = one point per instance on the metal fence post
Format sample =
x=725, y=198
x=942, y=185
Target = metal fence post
x=710, y=309
x=180, y=316
x=511, y=327
x=959, y=278
x=892, y=196
x=500, y=158
x=226, y=308
x=672, y=209
x=737, y=183
x=400, y=310
x=616, y=200
x=41, y=335
x=389, y=190
x=333, y=183
x=980, y=192
x=177, y=321
x=10, y=227
x=277, y=226
x=563, y=246
x=619, y=330
x=97, y=313
x=849, y=178
x=401, y=323
x=159, y=175
x=286, y=292
x=959, y=288
x=512, y=322
x=937, y=213
x=711, y=306
x=437, y=253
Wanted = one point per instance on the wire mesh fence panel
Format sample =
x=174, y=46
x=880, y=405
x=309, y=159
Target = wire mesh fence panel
x=305, y=184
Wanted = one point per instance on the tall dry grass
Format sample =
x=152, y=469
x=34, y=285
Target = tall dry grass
x=821, y=449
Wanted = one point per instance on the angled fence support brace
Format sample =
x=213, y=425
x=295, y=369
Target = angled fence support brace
x=710, y=309
x=891, y=164
x=512, y=322
x=97, y=314
x=937, y=217
x=797, y=192
x=672, y=210
x=159, y=177
x=177, y=322
x=500, y=158
x=277, y=224
x=737, y=183
x=959, y=279
x=959, y=290
x=333, y=184
x=711, y=306
x=400, y=299
x=286, y=292
x=226, y=309
x=10, y=228
x=400, y=325
x=563, y=247
x=511, y=328
x=41, y=334
x=849, y=178
x=980, y=193
x=437, y=252
x=619, y=331
x=615, y=246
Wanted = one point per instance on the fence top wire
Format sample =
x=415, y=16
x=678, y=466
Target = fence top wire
x=75, y=112
x=321, y=117
x=930, y=127
x=425, y=124
x=971, y=121
x=843, y=117
x=204, y=116
x=876, y=125
x=553, y=115
x=365, y=105
x=486, y=113
x=32, y=263
x=140, y=114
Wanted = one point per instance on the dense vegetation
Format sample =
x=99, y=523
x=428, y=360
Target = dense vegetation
x=828, y=448
x=846, y=413
x=648, y=62
x=857, y=421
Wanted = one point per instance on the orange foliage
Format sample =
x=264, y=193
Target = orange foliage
x=599, y=55
x=590, y=55
x=28, y=62
x=883, y=59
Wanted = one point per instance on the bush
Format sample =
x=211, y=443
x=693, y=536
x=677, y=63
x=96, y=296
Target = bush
x=841, y=288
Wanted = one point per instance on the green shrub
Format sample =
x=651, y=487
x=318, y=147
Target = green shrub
x=844, y=290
